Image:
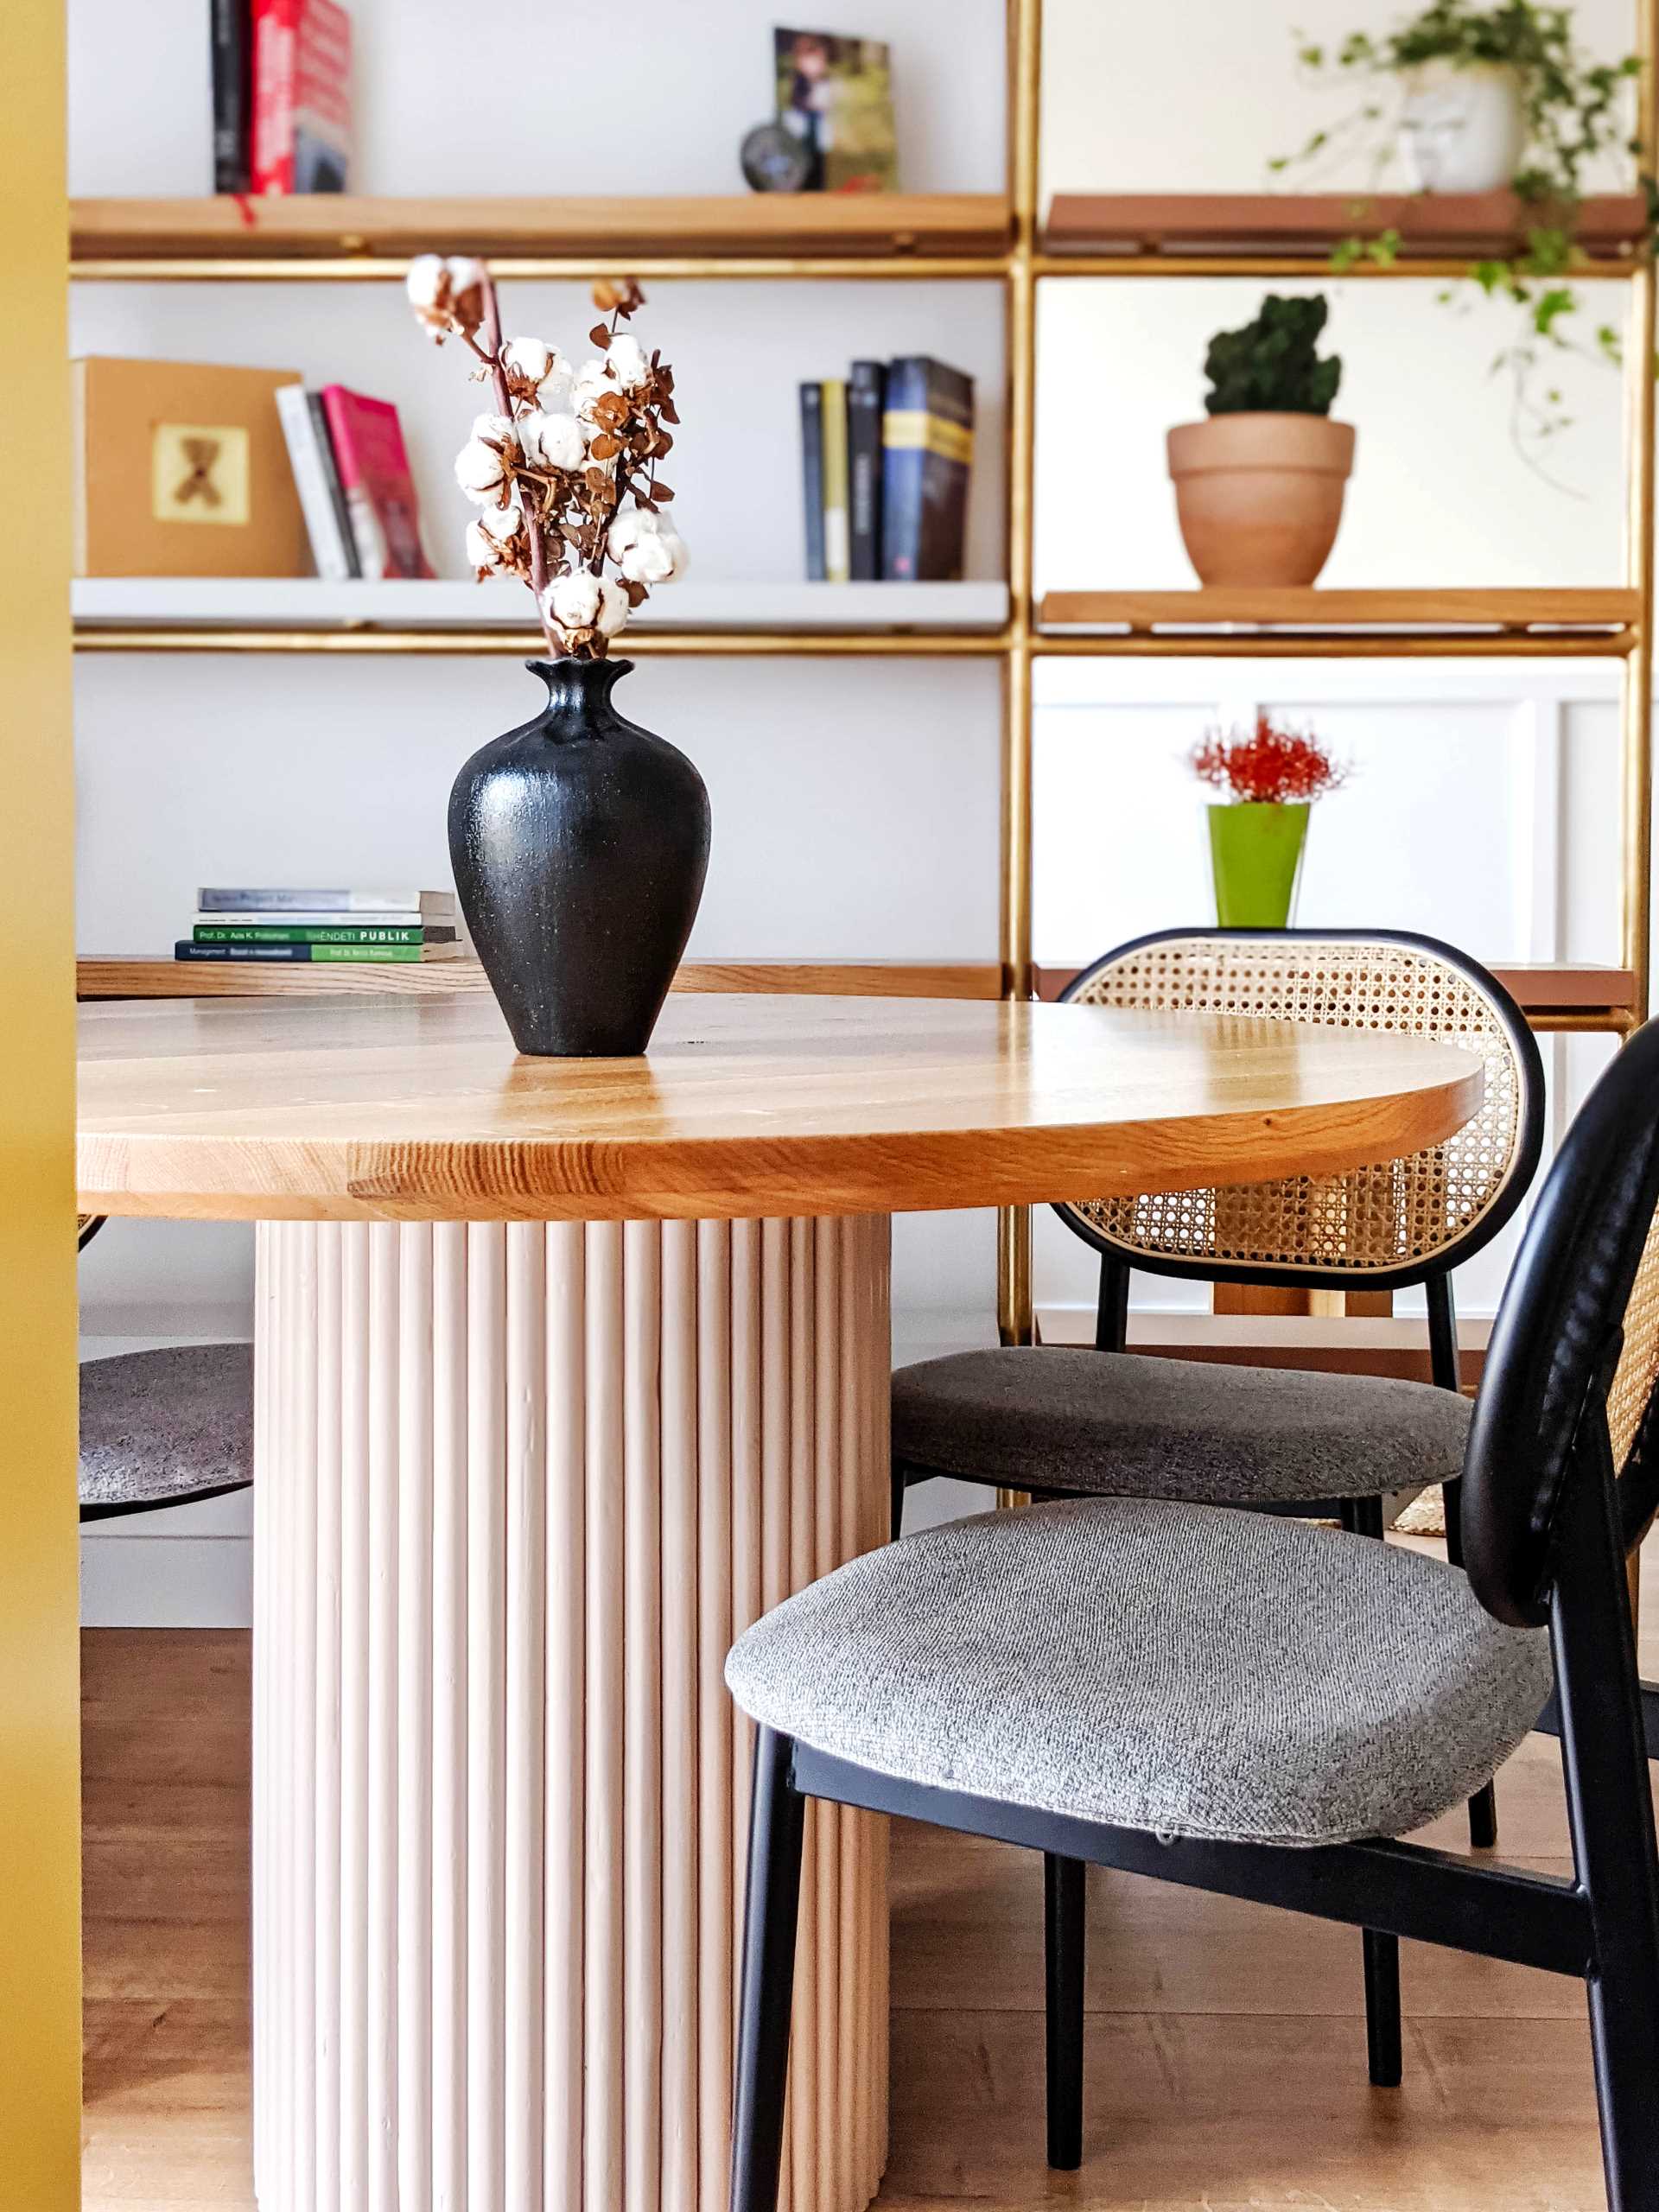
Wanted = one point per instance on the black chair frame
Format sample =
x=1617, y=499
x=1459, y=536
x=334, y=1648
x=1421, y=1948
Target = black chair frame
x=1548, y=1530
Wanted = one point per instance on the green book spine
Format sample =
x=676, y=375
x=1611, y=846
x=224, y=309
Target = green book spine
x=273, y=933
x=366, y=952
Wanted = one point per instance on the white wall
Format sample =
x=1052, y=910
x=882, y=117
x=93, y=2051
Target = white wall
x=856, y=803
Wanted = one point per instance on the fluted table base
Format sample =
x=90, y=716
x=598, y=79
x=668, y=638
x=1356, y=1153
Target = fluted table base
x=519, y=1486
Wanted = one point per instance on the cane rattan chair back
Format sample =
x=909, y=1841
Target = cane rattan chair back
x=1382, y=1226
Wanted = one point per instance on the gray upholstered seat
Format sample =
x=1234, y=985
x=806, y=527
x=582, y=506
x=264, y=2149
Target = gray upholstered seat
x=157, y=1426
x=1181, y=1669
x=1122, y=1425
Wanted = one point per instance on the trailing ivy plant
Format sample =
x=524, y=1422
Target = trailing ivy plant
x=1575, y=111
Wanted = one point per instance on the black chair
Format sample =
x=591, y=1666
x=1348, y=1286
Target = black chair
x=1059, y=1421
x=163, y=1428
x=1250, y=1705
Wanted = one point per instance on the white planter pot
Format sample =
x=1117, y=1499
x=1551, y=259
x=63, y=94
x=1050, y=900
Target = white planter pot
x=1462, y=128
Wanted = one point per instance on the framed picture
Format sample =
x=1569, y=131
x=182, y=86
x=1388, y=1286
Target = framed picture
x=835, y=95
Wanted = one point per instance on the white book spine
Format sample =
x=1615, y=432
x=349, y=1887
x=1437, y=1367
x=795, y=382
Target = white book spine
x=241, y=899
x=311, y=467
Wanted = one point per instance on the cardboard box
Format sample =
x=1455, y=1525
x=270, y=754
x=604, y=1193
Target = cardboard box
x=180, y=469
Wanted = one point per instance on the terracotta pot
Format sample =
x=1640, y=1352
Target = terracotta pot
x=1260, y=496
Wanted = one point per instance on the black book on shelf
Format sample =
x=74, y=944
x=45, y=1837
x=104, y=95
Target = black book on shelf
x=232, y=31
x=866, y=395
x=928, y=450
x=812, y=477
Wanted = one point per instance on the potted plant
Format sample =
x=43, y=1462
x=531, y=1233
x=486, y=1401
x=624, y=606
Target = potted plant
x=1258, y=833
x=580, y=842
x=1480, y=98
x=1259, y=485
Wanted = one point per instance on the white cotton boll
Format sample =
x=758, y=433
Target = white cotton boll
x=483, y=551
x=533, y=359
x=552, y=441
x=425, y=281
x=557, y=388
x=573, y=602
x=646, y=547
x=497, y=427
x=628, y=359
x=466, y=273
x=614, y=609
x=592, y=381
x=478, y=472
x=501, y=523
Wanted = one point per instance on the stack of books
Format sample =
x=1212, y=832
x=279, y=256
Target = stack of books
x=376, y=928
x=282, y=95
x=885, y=457
x=352, y=472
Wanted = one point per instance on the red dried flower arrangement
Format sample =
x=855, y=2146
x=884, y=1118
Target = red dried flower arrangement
x=1271, y=767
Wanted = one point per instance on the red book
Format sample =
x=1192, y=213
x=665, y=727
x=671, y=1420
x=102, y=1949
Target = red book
x=380, y=502
x=302, y=96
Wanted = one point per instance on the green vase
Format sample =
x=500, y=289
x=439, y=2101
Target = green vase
x=1255, y=853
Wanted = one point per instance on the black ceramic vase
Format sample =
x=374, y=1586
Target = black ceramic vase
x=580, y=843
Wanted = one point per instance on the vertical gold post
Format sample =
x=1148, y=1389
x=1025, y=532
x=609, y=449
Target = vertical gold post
x=40, y=1743
x=1025, y=90
x=1635, y=884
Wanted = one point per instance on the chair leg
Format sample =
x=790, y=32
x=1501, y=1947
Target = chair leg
x=777, y=1817
x=1446, y=1365
x=1363, y=1517
x=898, y=1483
x=1383, y=2009
x=1624, y=2042
x=1064, y=1908
x=1610, y=1811
x=1482, y=1806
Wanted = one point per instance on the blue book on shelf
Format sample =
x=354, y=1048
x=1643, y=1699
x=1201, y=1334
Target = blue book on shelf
x=927, y=439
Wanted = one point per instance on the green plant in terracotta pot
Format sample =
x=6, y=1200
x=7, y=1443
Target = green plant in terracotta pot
x=1259, y=485
x=1258, y=833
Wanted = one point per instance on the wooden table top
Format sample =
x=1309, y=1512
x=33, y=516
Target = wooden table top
x=335, y=1111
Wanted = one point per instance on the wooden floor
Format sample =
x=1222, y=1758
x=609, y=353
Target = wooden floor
x=1226, y=2050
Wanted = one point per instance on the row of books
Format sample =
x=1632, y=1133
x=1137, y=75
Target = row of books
x=351, y=473
x=282, y=95
x=887, y=452
x=376, y=928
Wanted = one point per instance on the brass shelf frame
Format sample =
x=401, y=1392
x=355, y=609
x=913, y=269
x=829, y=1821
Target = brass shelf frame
x=356, y=269
x=520, y=645
x=1022, y=645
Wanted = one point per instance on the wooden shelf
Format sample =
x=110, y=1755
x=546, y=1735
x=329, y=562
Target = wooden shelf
x=1163, y=232
x=1572, y=996
x=300, y=613
x=316, y=233
x=1528, y=619
x=124, y=976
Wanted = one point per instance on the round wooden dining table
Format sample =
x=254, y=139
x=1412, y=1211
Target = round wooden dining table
x=565, y=1372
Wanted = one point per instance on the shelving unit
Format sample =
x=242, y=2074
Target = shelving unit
x=995, y=237
x=300, y=613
